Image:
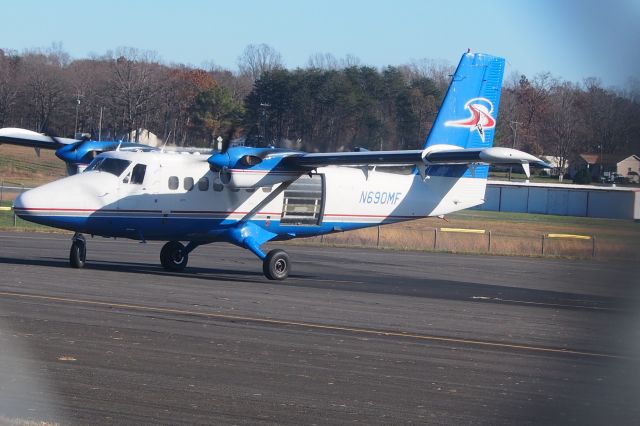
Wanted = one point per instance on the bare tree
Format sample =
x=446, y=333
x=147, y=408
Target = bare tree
x=134, y=86
x=532, y=100
x=439, y=71
x=44, y=88
x=258, y=59
x=327, y=61
x=9, y=63
x=323, y=61
x=239, y=85
x=562, y=126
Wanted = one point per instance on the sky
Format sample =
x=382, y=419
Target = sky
x=571, y=39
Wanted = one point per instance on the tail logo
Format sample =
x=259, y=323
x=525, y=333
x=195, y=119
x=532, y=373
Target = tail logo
x=480, y=118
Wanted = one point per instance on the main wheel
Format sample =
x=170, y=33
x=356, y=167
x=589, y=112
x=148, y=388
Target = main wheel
x=173, y=256
x=276, y=266
x=78, y=253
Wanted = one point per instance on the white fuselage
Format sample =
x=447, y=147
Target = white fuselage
x=181, y=198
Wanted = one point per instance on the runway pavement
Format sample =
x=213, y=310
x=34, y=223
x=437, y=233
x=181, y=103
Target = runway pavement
x=354, y=336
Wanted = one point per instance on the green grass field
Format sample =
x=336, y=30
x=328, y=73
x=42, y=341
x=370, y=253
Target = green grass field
x=9, y=223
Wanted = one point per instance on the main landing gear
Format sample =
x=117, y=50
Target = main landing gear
x=174, y=257
x=276, y=265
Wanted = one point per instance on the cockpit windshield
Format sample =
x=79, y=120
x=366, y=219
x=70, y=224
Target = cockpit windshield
x=115, y=166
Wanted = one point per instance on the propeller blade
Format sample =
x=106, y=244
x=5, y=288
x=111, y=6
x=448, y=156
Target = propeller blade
x=226, y=143
x=53, y=136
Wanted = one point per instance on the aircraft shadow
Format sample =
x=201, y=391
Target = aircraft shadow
x=141, y=268
x=413, y=287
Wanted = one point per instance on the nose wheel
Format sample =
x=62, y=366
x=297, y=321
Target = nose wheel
x=174, y=256
x=276, y=266
x=78, y=252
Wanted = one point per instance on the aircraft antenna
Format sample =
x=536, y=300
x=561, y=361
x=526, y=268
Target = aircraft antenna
x=165, y=142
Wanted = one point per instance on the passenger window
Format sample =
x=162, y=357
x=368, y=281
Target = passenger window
x=137, y=176
x=174, y=182
x=203, y=184
x=188, y=183
x=218, y=187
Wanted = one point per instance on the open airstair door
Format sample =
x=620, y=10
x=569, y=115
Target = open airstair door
x=303, y=201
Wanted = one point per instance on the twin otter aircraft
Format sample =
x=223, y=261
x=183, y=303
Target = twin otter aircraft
x=249, y=196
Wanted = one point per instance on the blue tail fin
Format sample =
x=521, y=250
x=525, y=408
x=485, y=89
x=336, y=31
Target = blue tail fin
x=468, y=114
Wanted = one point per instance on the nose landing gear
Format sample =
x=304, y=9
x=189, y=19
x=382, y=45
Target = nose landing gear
x=78, y=252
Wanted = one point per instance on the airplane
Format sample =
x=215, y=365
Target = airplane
x=250, y=196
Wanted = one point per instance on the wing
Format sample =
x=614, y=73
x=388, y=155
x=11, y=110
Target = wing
x=23, y=137
x=443, y=154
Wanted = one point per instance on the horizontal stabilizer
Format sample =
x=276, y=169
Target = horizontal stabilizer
x=494, y=155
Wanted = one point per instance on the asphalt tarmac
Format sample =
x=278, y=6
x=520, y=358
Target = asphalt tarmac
x=352, y=337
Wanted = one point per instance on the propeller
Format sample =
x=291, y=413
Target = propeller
x=54, y=137
x=226, y=142
x=221, y=160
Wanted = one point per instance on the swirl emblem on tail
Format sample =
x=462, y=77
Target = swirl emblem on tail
x=481, y=110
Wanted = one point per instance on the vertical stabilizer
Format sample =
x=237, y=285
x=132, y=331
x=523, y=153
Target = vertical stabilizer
x=467, y=117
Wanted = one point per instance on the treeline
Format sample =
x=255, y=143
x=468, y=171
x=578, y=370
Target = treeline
x=331, y=104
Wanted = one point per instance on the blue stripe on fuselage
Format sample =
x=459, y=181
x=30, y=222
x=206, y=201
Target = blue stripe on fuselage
x=191, y=229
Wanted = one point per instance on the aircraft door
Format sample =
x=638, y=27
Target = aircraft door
x=303, y=201
x=133, y=192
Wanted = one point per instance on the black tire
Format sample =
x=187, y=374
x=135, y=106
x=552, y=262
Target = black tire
x=78, y=254
x=276, y=266
x=173, y=256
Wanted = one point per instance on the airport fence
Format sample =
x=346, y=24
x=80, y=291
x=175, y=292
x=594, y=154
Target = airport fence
x=8, y=192
x=479, y=241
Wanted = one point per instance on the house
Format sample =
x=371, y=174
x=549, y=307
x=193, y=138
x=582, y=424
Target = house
x=630, y=168
x=608, y=165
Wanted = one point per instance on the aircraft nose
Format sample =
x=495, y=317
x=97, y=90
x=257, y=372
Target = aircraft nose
x=27, y=201
x=41, y=205
x=21, y=201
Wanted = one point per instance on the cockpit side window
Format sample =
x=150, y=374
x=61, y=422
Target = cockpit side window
x=137, y=175
x=115, y=166
x=94, y=164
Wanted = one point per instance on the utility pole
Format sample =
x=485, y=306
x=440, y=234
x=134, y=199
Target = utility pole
x=601, y=174
x=264, y=120
x=514, y=127
x=100, y=125
x=78, y=95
